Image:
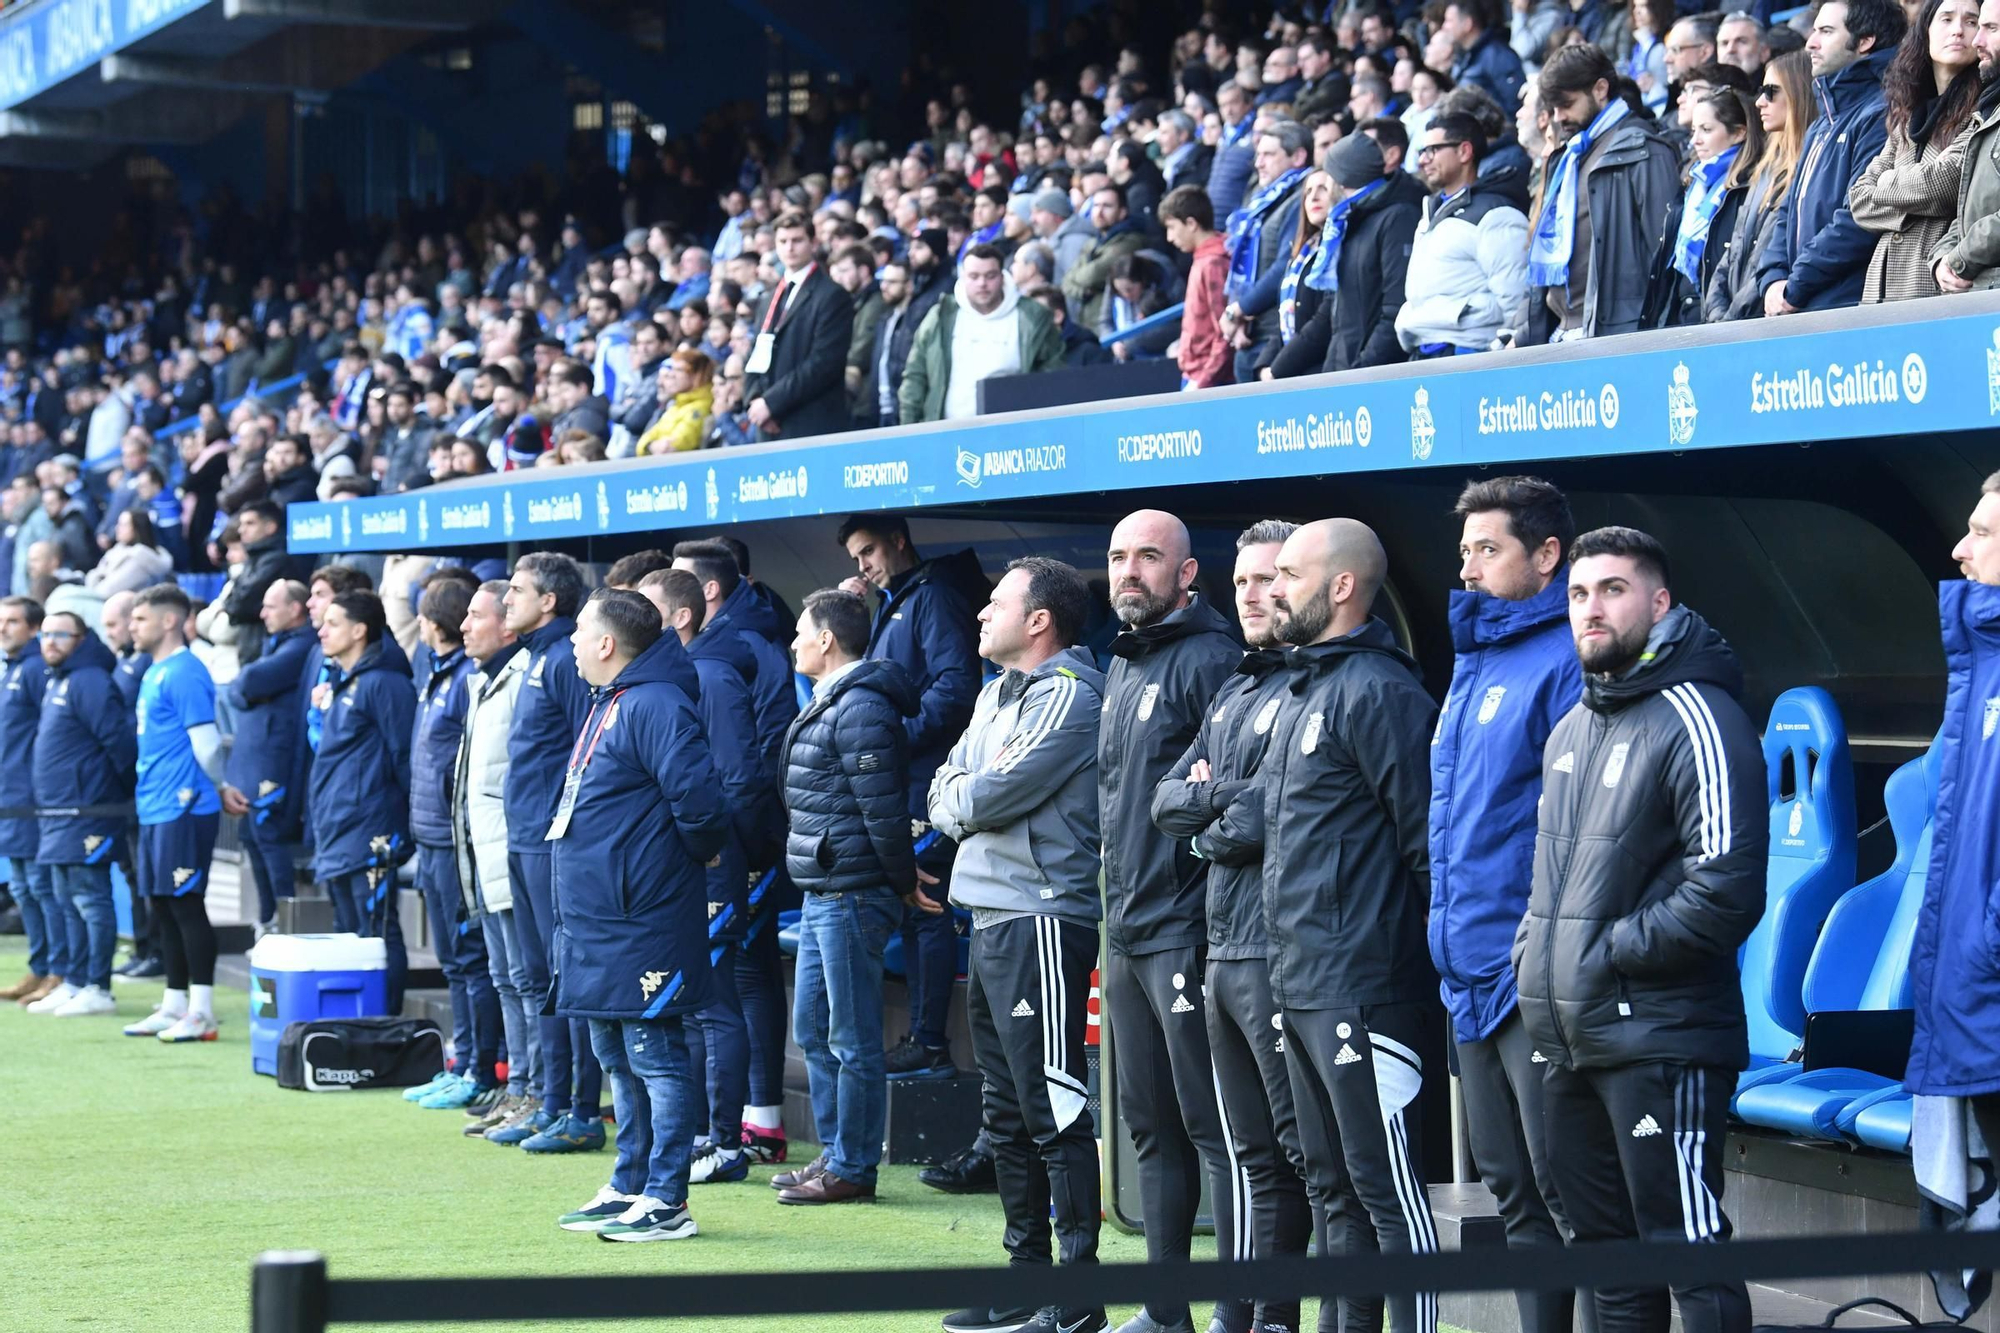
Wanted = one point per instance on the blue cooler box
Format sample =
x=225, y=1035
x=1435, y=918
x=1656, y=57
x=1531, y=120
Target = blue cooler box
x=298, y=978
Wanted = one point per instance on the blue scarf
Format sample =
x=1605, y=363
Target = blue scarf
x=1704, y=197
x=1288, y=290
x=1237, y=133
x=1324, y=276
x=1555, y=231
x=1246, y=226
x=984, y=236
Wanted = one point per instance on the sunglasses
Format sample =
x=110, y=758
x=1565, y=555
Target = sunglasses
x=1770, y=92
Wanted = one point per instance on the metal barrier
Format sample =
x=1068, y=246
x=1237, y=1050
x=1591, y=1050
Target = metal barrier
x=291, y=1291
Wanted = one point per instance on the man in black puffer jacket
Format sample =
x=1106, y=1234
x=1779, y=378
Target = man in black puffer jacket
x=847, y=777
x=1649, y=874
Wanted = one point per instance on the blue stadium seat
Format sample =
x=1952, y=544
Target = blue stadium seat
x=892, y=956
x=788, y=934
x=1809, y=1104
x=1880, y=1121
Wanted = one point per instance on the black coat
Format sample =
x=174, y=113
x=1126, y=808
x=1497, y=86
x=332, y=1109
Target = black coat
x=806, y=386
x=922, y=297
x=1355, y=325
x=265, y=563
x=847, y=778
x=1671, y=300
x=300, y=485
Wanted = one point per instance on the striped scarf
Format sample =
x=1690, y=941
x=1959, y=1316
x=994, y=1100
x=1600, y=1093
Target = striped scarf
x=1246, y=227
x=1288, y=289
x=1555, y=231
x=1324, y=275
x=1704, y=197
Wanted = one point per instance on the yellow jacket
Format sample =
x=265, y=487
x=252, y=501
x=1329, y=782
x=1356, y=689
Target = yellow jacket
x=680, y=426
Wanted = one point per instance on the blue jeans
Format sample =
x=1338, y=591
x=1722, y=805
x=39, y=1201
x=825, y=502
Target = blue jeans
x=369, y=910
x=460, y=946
x=837, y=1017
x=651, y=1086
x=719, y=1045
x=270, y=861
x=68, y=937
x=48, y=938
x=87, y=889
x=510, y=981
x=571, y=1078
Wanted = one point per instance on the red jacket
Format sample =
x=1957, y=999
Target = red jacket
x=1205, y=354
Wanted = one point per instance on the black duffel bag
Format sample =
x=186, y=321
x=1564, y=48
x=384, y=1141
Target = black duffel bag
x=1910, y=1321
x=347, y=1054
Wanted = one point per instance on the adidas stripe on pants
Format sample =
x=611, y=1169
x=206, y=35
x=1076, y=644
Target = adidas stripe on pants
x=1641, y=1157
x=1356, y=1074
x=1026, y=997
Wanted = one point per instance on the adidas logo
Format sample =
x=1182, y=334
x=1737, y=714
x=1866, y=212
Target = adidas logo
x=1181, y=1005
x=1646, y=1128
x=1024, y=1010
x=1346, y=1056
x=1538, y=1059
x=1566, y=764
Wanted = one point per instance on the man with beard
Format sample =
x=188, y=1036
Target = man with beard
x=929, y=280
x=1650, y=859
x=1346, y=879
x=1212, y=802
x=1173, y=655
x=1970, y=251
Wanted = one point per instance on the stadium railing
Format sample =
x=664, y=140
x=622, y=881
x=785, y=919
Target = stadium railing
x=291, y=1291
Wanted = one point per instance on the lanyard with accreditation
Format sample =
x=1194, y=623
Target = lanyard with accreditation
x=579, y=760
x=767, y=337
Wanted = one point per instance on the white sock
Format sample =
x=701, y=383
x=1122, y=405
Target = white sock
x=771, y=1118
x=174, y=1004
x=201, y=1000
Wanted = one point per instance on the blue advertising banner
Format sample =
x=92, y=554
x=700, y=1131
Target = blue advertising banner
x=46, y=41
x=1668, y=392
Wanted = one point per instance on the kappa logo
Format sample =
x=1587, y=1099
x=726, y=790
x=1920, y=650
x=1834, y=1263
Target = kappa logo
x=1266, y=716
x=92, y=842
x=536, y=674
x=1538, y=1059
x=1220, y=713
x=1147, y=698
x=1681, y=411
x=1614, y=767
x=1992, y=717
x=185, y=795
x=1489, y=707
x=650, y=982
x=181, y=877
x=1310, y=741
x=1022, y=1009
x=1646, y=1128
x=266, y=787
x=1346, y=1056
x=1566, y=764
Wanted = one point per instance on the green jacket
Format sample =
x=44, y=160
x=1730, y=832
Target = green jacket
x=927, y=374
x=861, y=354
x=1090, y=278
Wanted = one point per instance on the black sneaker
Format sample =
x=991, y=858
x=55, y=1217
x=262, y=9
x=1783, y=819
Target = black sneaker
x=981, y=1319
x=146, y=968
x=909, y=1060
x=1062, y=1319
x=964, y=1172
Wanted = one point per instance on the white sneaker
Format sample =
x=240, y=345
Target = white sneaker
x=88, y=1003
x=191, y=1027
x=153, y=1024
x=55, y=999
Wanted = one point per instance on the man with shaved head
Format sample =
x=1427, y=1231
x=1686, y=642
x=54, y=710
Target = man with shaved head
x=1346, y=881
x=1174, y=653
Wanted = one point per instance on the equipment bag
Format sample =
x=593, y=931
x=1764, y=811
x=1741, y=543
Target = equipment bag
x=1910, y=1321
x=344, y=1054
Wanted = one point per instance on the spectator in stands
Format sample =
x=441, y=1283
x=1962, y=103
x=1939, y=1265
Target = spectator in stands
x=1033, y=267
x=1322, y=89
x=70, y=530
x=1298, y=300
x=1691, y=43
x=1141, y=288
x=288, y=471
x=1641, y=958
x=1056, y=222
x=982, y=330
x=137, y=561
x=1908, y=196
x=1817, y=257
x=1468, y=277
x=1965, y=258
x=1087, y=283
x=853, y=270
x=687, y=400
x=576, y=407
x=1027, y=869
x=1189, y=219
x=1142, y=182
x=1739, y=41
x=1727, y=140
x=406, y=445
x=264, y=756
x=1605, y=197
x=1235, y=168
x=1080, y=346
x=1483, y=56
x=479, y=839
x=634, y=891
x=1360, y=267
x=795, y=382
x=1785, y=108
x=1184, y=158
x=1514, y=664
x=1257, y=235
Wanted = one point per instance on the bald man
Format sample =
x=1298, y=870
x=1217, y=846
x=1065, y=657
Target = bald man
x=1346, y=882
x=1174, y=653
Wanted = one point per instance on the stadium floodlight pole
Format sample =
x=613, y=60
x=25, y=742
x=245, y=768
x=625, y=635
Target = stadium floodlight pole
x=288, y=1292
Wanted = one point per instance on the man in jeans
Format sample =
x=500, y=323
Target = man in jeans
x=847, y=777
x=23, y=677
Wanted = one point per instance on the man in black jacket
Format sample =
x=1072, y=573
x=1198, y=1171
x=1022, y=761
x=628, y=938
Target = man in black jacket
x=1346, y=884
x=847, y=778
x=1174, y=654
x=1649, y=874
x=261, y=526
x=796, y=375
x=1211, y=801
x=407, y=441
x=291, y=476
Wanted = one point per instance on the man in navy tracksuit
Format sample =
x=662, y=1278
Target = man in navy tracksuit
x=718, y=1040
x=639, y=813
x=269, y=727
x=541, y=605
x=359, y=797
x=25, y=677
x=1514, y=677
x=458, y=939
x=115, y=620
x=85, y=750
x=923, y=623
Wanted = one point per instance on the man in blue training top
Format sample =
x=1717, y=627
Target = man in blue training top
x=179, y=808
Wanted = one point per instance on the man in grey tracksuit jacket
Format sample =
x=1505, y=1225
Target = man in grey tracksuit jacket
x=1019, y=795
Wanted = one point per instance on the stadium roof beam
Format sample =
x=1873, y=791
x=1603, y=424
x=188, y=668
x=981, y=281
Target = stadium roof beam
x=422, y=15
x=161, y=120
x=296, y=60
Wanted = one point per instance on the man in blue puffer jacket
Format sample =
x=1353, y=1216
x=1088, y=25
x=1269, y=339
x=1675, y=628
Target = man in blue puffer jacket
x=1514, y=676
x=640, y=813
x=270, y=734
x=1818, y=254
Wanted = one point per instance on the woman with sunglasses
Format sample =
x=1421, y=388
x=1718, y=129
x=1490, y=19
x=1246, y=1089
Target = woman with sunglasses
x=1726, y=138
x=1785, y=107
x=1908, y=195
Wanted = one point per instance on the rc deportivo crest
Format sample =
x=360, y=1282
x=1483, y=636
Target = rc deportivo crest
x=1423, y=430
x=1310, y=741
x=1992, y=717
x=610, y=716
x=1489, y=707
x=1147, y=698
x=1614, y=767
x=1797, y=821
x=603, y=507
x=1993, y=376
x=1681, y=410
x=506, y=513
x=713, y=496
x=1266, y=716
x=423, y=520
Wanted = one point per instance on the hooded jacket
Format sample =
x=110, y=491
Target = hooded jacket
x=1468, y=270
x=1223, y=820
x=927, y=374
x=440, y=724
x=1346, y=832
x=1492, y=64
x=359, y=797
x=1161, y=681
x=264, y=755
x=899, y=329
x=479, y=807
x=265, y=563
x=630, y=939
x=1019, y=794
x=1650, y=859
x=1514, y=676
x=847, y=778
x=85, y=751
x=26, y=679
x=1817, y=249
x=1355, y=325
x=1086, y=283
x=925, y=624
x=547, y=712
x=1955, y=954
x=775, y=699
x=1630, y=182
x=724, y=667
